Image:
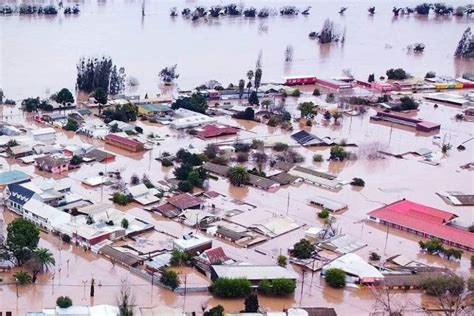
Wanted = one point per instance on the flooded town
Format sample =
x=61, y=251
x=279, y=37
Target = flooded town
x=212, y=158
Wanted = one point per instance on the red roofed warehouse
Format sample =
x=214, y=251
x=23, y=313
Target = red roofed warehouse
x=424, y=221
x=123, y=142
x=210, y=131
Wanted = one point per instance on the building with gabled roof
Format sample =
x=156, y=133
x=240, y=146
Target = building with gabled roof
x=253, y=273
x=424, y=221
x=124, y=142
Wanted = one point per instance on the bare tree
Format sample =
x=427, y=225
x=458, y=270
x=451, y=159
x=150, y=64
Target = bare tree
x=289, y=53
x=125, y=300
x=387, y=301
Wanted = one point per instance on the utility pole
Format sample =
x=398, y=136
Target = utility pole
x=302, y=285
x=185, y=289
x=288, y=204
x=386, y=240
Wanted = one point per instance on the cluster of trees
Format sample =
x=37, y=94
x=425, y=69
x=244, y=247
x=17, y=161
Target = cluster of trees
x=169, y=74
x=435, y=247
x=440, y=9
x=35, y=104
x=241, y=287
x=195, y=102
x=21, y=246
x=465, y=48
x=94, y=73
x=187, y=175
x=248, y=114
x=232, y=9
x=121, y=112
x=170, y=278
x=303, y=249
x=28, y=9
x=397, y=74
x=406, y=104
x=338, y=153
x=328, y=33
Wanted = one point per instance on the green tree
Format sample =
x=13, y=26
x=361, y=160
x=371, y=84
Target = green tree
x=317, y=158
x=215, y=311
x=323, y=214
x=248, y=114
x=279, y=146
x=182, y=172
x=397, y=74
x=448, y=291
x=358, y=182
x=277, y=287
x=307, y=110
x=179, y=258
x=241, y=88
x=22, y=239
x=124, y=223
x=282, y=261
x=338, y=153
x=30, y=104
x=253, y=99
x=303, y=249
x=170, y=278
x=22, y=278
x=251, y=303
x=371, y=78
x=195, y=179
x=100, y=95
x=76, y=160
x=185, y=186
x=120, y=199
x=195, y=102
x=231, y=288
x=168, y=74
x=335, y=277
x=64, y=302
x=316, y=92
x=64, y=96
x=71, y=125
x=41, y=260
x=238, y=176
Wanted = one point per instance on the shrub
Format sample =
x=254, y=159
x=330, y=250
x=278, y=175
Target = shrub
x=280, y=146
x=165, y=162
x=442, y=285
x=316, y=92
x=397, y=74
x=215, y=311
x=358, y=182
x=242, y=147
x=296, y=93
x=282, y=261
x=335, y=277
x=303, y=249
x=64, y=302
x=220, y=161
x=66, y=238
x=185, y=186
x=76, y=160
x=374, y=256
x=179, y=258
x=170, y=278
x=231, y=288
x=277, y=287
x=248, y=114
x=338, y=153
x=408, y=103
x=430, y=74
x=71, y=125
x=317, y=158
x=323, y=214
x=257, y=144
x=120, y=199
x=124, y=223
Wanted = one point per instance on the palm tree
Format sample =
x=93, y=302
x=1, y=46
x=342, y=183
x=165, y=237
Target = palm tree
x=238, y=176
x=22, y=278
x=41, y=261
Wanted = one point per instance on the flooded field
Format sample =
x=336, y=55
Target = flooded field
x=222, y=49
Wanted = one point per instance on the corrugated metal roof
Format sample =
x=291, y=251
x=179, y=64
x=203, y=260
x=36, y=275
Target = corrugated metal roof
x=253, y=272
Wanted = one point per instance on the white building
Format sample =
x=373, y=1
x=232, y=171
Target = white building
x=44, y=215
x=192, y=121
x=356, y=269
x=47, y=134
x=143, y=195
x=94, y=130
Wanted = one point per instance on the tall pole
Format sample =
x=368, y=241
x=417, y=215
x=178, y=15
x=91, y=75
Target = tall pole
x=386, y=240
x=288, y=204
x=302, y=285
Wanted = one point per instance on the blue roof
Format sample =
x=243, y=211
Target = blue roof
x=14, y=176
x=156, y=107
x=19, y=194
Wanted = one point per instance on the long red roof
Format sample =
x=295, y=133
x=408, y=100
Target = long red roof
x=123, y=140
x=215, y=131
x=424, y=219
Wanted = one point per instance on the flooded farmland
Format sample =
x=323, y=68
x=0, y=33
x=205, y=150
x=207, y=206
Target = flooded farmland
x=223, y=50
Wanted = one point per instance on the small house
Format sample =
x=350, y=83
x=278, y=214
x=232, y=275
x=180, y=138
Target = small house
x=154, y=109
x=192, y=243
x=357, y=269
x=142, y=194
x=124, y=143
x=20, y=151
x=52, y=164
x=47, y=134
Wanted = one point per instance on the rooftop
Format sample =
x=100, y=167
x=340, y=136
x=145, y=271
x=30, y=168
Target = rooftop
x=14, y=176
x=253, y=272
x=185, y=200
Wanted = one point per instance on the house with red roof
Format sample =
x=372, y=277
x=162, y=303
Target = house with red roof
x=124, y=142
x=424, y=221
x=211, y=131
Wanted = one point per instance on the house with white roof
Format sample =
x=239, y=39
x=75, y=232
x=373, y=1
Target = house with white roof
x=47, y=134
x=44, y=215
x=357, y=269
x=143, y=195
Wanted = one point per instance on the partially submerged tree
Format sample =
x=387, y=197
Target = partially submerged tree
x=22, y=239
x=125, y=300
x=465, y=48
x=303, y=249
x=251, y=303
x=335, y=277
x=449, y=292
x=168, y=74
x=64, y=96
x=41, y=260
x=238, y=176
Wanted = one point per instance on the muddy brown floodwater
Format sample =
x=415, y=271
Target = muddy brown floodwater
x=387, y=179
x=222, y=49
